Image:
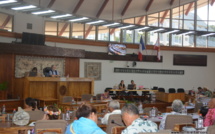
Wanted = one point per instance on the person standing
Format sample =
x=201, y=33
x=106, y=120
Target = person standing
x=122, y=87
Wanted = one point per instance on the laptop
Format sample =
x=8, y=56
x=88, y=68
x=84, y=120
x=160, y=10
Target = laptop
x=130, y=86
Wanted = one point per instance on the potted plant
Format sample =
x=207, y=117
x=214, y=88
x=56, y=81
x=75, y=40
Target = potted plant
x=3, y=90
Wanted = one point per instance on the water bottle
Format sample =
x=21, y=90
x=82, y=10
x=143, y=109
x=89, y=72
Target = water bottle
x=153, y=112
x=67, y=115
x=3, y=109
x=140, y=108
x=184, y=111
x=200, y=121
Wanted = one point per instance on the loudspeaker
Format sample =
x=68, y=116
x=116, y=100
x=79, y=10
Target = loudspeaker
x=33, y=39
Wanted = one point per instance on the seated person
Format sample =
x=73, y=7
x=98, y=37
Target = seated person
x=177, y=107
x=30, y=104
x=200, y=91
x=134, y=87
x=134, y=123
x=114, y=108
x=33, y=73
x=86, y=123
x=53, y=72
x=106, y=95
x=207, y=92
x=121, y=87
x=51, y=113
x=210, y=116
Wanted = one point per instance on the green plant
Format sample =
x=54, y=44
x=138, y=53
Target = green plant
x=3, y=86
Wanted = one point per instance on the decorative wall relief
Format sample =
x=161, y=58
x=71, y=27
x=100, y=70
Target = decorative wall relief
x=92, y=70
x=25, y=64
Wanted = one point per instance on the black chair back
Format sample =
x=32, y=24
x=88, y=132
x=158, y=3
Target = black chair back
x=160, y=89
x=172, y=90
x=180, y=90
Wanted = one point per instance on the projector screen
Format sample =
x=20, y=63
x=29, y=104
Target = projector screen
x=117, y=49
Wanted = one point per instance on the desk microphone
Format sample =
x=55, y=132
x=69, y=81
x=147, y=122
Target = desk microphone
x=113, y=122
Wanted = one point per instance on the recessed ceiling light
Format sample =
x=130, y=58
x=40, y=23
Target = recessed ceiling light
x=24, y=7
x=160, y=29
x=95, y=22
x=208, y=34
x=7, y=1
x=43, y=12
x=186, y=33
x=112, y=24
x=79, y=19
x=142, y=28
x=61, y=16
x=170, y=32
x=123, y=27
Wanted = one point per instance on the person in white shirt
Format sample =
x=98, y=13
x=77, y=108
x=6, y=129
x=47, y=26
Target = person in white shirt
x=114, y=108
x=135, y=125
x=177, y=107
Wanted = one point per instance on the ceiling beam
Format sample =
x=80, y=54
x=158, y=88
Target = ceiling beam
x=149, y=5
x=77, y=6
x=164, y=16
x=212, y=2
x=102, y=8
x=189, y=8
x=112, y=31
x=126, y=7
x=171, y=2
x=51, y=3
x=140, y=20
x=63, y=29
x=5, y=22
x=88, y=31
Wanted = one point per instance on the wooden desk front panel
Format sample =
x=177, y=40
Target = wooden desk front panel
x=43, y=89
x=76, y=89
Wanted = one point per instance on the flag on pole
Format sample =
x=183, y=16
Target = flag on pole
x=141, y=48
x=157, y=47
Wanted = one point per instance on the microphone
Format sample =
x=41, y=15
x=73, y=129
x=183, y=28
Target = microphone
x=113, y=122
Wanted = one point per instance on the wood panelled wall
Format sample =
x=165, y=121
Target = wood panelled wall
x=7, y=71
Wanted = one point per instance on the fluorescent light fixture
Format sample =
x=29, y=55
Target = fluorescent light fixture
x=186, y=33
x=43, y=12
x=61, y=16
x=170, y=32
x=160, y=29
x=112, y=24
x=79, y=19
x=123, y=27
x=208, y=34
x=142, y=28
x=7, y=1
x=24, y=7
x=95, y=22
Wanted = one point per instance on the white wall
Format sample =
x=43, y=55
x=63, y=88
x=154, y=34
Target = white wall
x=194, y=76
x=21, y=20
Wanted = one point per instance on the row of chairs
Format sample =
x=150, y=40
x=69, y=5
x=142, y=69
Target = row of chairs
x=171, y=90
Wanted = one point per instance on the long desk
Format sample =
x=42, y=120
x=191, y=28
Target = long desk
x=54, y=88
x=169, y=97
x=144, y=90
x=99, y=105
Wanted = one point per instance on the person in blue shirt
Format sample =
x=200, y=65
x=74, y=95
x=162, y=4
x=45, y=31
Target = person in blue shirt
x=53, y=72
x=86, y=123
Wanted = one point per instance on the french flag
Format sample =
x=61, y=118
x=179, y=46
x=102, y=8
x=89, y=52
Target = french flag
x=141, y=48
x=157, y=47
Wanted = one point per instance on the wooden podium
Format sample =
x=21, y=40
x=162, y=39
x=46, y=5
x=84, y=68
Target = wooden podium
x=56, y=88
